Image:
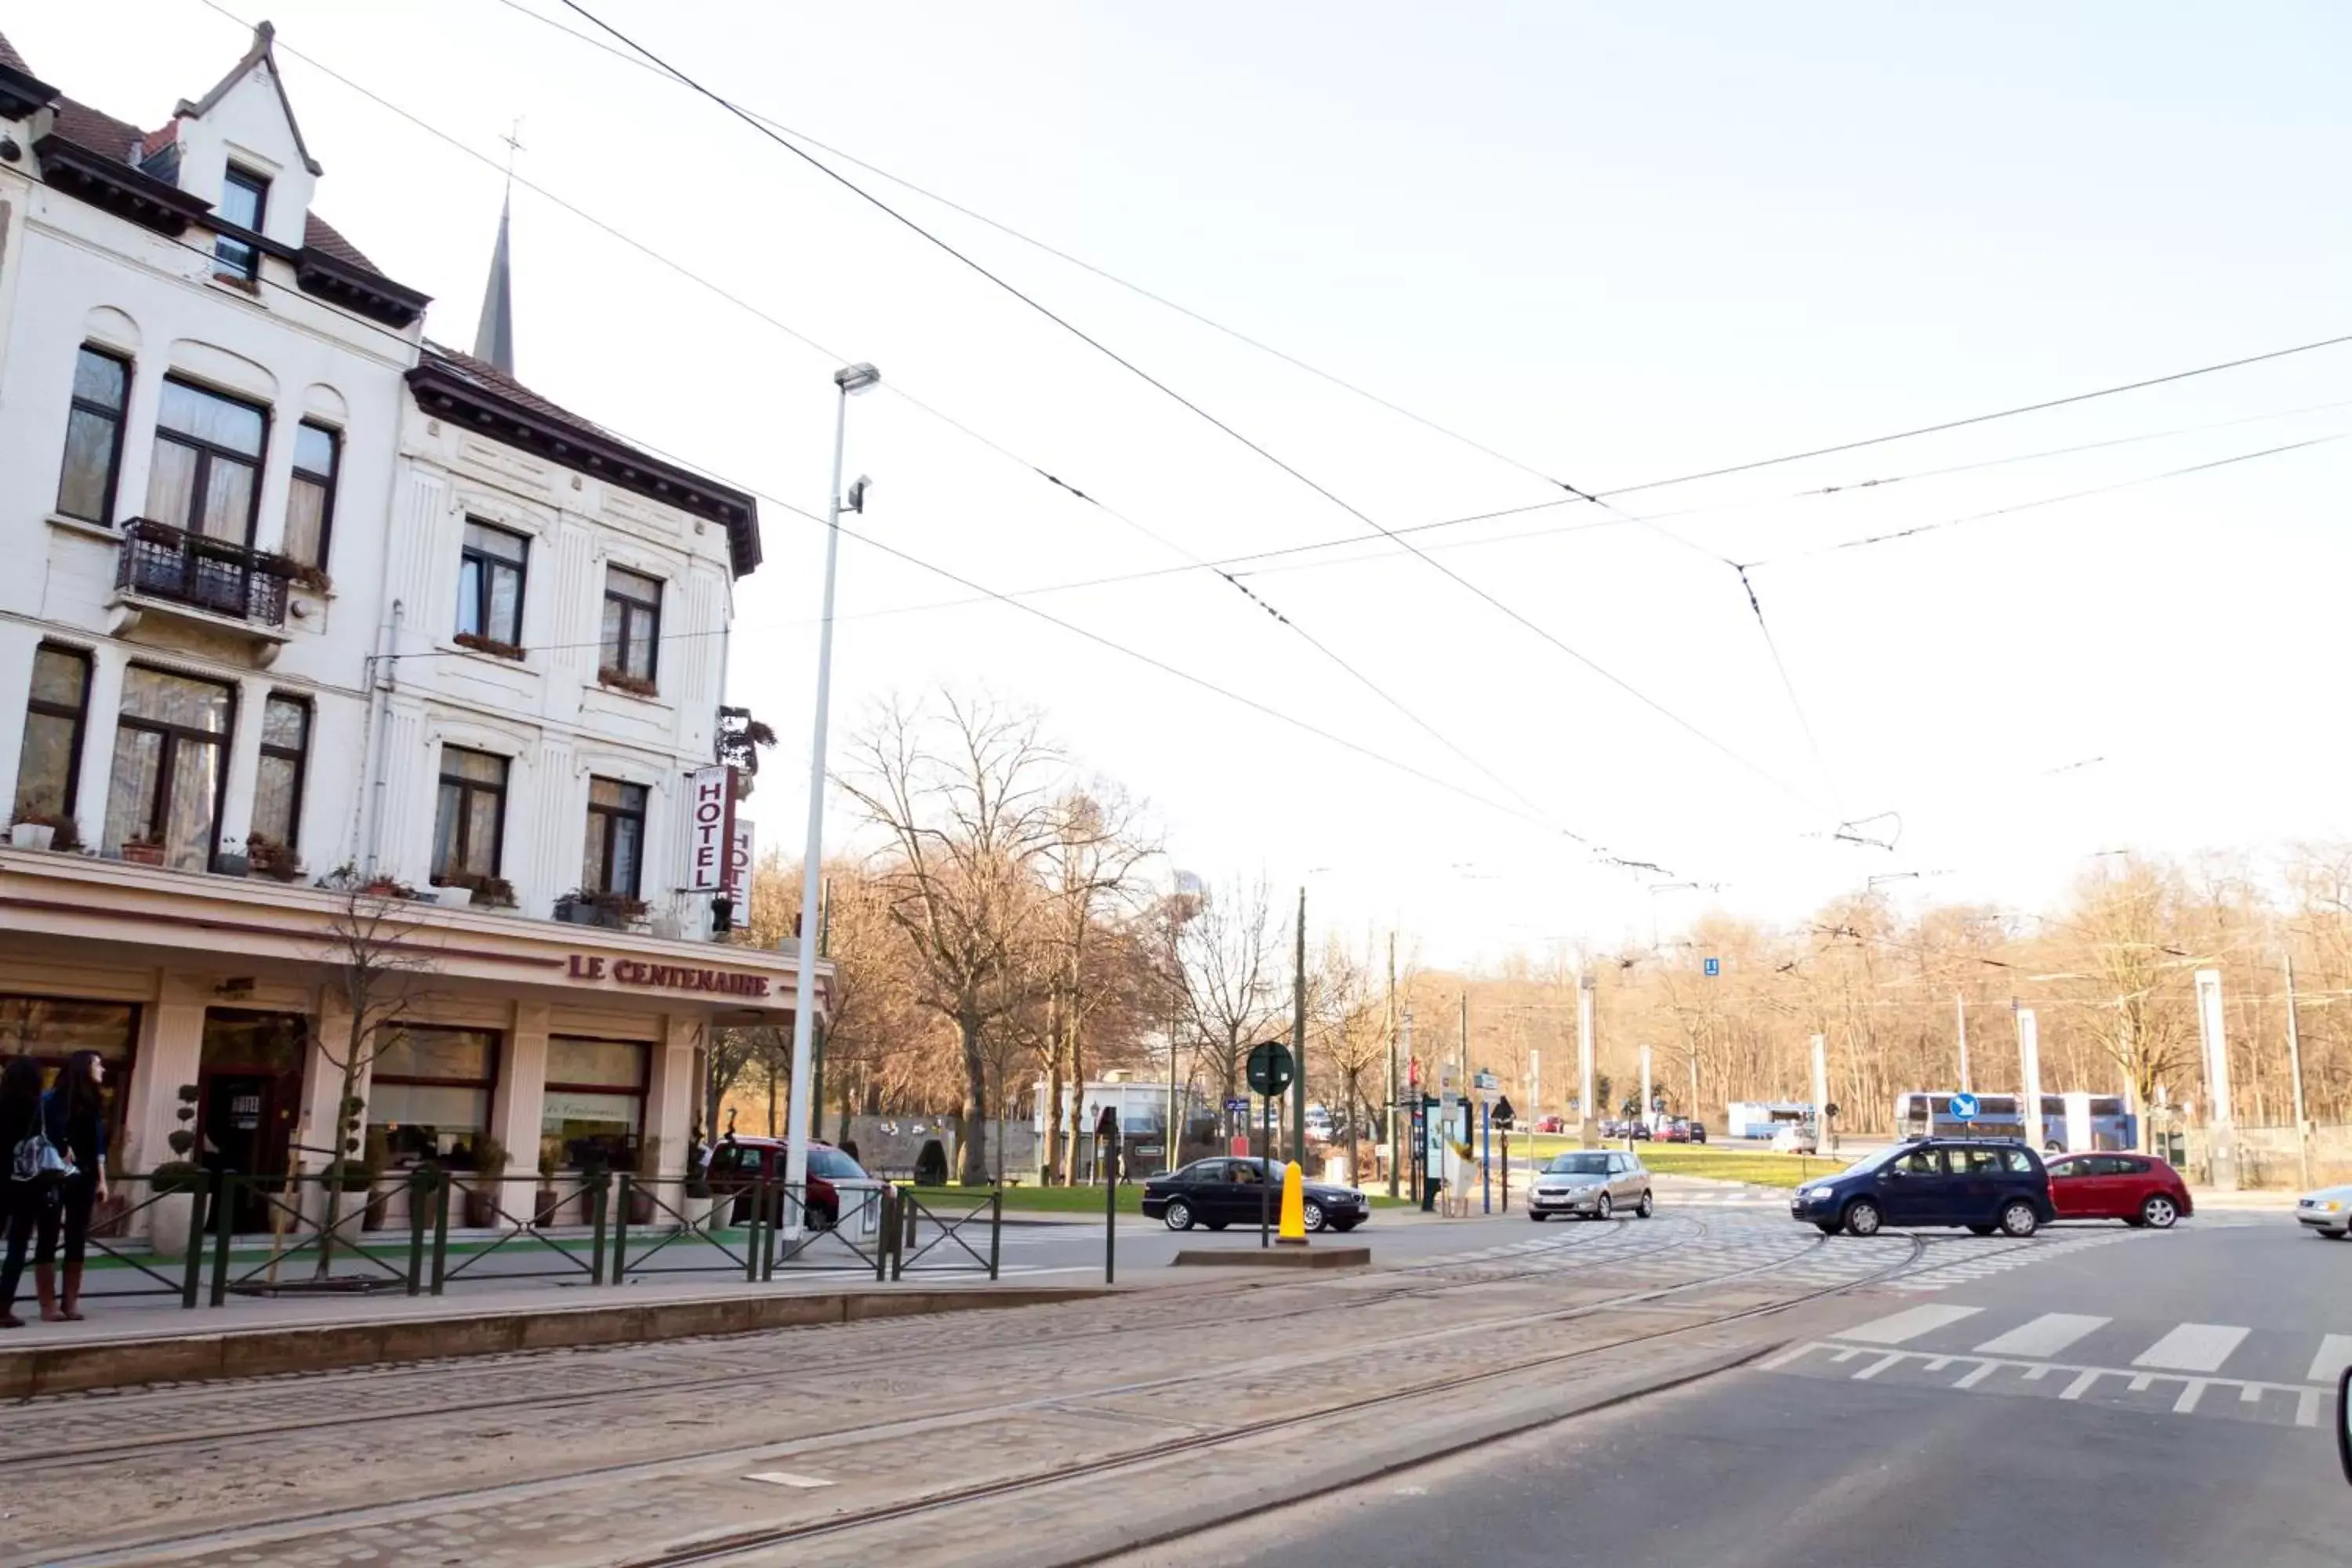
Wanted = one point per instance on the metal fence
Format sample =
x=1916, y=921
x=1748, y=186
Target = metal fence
x=211, y=1235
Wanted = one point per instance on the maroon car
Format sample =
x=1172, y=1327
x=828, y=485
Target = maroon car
x=2137, y=1189
x=738, y=1162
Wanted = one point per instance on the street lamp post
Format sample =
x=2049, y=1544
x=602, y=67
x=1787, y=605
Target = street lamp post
x=852, y=380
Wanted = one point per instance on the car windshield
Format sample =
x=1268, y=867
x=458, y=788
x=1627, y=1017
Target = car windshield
x=1579, y=1166
x=1876, y=1158
x=834, y=1165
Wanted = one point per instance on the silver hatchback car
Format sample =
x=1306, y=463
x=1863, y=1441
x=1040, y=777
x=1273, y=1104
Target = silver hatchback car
x=1591, y=1183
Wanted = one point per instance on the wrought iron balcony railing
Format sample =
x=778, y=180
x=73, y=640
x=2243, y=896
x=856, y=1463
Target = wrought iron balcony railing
x=160, y=562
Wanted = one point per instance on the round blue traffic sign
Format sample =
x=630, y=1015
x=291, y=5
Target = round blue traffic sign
x=1964, y=1108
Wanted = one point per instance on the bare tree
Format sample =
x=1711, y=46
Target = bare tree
x=1232, y=961
x=1092, y=867
x=962, y=796
x=377, y=970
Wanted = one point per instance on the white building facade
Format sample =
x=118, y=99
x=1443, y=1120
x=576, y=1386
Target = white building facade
x=298, y=606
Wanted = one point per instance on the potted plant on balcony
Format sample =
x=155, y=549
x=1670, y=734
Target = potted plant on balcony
x=622, y=680
x=265, y=857
x=145, y=848
x=454, y=891
x=44, y=830
x=482, y=1193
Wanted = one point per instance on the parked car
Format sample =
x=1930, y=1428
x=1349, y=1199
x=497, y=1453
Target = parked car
x=1591, y=1183
x=1551, y=1124
x=1674, y=1130
x=2327, y=1211
x=1795, y=1139
x=1220, y=1192
x=1986, y=1184
x=741, y=1161
x=1639, y=1130
x=2138, y=1189
x=1698, y=1131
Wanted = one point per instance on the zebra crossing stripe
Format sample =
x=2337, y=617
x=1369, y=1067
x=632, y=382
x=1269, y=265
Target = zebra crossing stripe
x=2046, y=1335
x=1908, y=1325
x=2193, y=1347
x=2335, y=1355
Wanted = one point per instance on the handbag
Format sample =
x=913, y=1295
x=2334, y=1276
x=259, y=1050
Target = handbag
x=36, y=1159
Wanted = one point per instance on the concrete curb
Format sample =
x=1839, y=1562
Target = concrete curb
x=265, y=1352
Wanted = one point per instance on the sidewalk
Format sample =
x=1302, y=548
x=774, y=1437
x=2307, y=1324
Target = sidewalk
x=260, y=1336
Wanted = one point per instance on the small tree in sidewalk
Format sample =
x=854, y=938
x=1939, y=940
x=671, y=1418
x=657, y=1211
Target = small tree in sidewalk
x=377, y=971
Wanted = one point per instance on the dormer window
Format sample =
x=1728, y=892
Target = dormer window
x=244, y=202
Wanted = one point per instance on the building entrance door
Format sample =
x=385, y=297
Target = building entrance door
x=249, y=1092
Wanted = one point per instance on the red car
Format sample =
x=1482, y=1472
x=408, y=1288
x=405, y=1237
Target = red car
x=2137, y=1189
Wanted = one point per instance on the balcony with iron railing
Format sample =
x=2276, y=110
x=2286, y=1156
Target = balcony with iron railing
x=170, y=569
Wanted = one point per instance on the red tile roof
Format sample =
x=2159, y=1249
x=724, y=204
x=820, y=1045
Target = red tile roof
x=86, y=127
x=11, y=58
x=483, y=374
x=322, y=236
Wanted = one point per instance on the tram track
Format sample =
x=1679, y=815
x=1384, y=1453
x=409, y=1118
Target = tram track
x=741, y=1546
x=54, y=1455
x=474, y=1499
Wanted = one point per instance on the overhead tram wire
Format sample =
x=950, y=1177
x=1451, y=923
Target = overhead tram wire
x=1164, y=667
x=1575, y=495
x=1194, y=561
x=1197, y=410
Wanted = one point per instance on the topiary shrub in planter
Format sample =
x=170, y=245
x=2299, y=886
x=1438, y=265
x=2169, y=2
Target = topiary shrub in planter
x=482, y=1193
x=171, y=1219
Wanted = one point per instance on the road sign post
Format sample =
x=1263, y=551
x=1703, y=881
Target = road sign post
x=1107, y=1139
x=1270, y=1069
x=1964, y=1108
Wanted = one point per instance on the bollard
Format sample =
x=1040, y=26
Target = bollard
x=1293, y=1206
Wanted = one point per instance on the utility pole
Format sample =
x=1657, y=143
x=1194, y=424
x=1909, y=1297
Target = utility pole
x=1960, y=1022
x=1421, y=1145
x=1588, y=1129
x=1646, y=1091
x=2029, y=1064
x=2222, y=1135
x=2294, y=1071
x=1393, y=1085
x=1824, y=1139
x=1298, y=1036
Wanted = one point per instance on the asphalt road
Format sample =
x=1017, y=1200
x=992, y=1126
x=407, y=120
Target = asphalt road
x=2166, y=1399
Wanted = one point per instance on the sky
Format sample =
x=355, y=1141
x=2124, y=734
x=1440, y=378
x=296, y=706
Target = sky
x=1602, y=246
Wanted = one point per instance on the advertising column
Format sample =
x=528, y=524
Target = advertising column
x=2223, y=1136
x=2029, y=1062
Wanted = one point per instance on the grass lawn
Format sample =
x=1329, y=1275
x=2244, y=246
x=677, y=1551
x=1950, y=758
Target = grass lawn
x=1759, y=1166
x=951, y=1201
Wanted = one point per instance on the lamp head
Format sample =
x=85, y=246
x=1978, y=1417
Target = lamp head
x=856, y=378
x=856, y=501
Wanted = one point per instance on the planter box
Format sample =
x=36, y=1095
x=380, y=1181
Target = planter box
x=454, y=898
x=31, y=836
x=169, y=1220
x=143, y=854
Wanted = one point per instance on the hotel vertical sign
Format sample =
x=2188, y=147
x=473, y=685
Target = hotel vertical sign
x=710, y=829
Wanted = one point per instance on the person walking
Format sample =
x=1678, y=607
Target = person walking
x=75, y=1117
x=24, y=1197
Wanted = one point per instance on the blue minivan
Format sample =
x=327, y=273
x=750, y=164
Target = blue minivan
x=1984, y=1183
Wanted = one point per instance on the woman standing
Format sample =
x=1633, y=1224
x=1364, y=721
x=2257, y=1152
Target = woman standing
x=75, y=1119
x=23, y=1203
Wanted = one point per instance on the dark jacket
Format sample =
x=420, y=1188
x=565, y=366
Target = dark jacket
x=85, y=1145
x=16, y=1124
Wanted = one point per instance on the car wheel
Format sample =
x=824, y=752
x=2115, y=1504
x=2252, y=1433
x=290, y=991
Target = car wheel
x=2018, y=1218
x=1178, y=1216
x=1314, y=1216
x=1604, y=1209
x=1826, y=1227
x=1216, y=1223
x=1982, y=1229
x=1344, y=1226
x=2158, y=1212
x=1645, y=1208
x=1863, y=1217
x=2053, y=1148
x=1538, y=1216
x=2335, y=1234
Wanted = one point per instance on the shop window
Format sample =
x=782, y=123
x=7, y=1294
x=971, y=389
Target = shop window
x=102, y=385
x=617, y=836
x=311, y=503
x=207, y=474
x=52, y=1029
x=49, y=774
x=631, y=625
x=430, y=1095
x=594, y=1111
x=171, y=759
x=285, y=756
x=468, y=836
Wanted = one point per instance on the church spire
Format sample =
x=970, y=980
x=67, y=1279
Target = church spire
x=493, y=337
